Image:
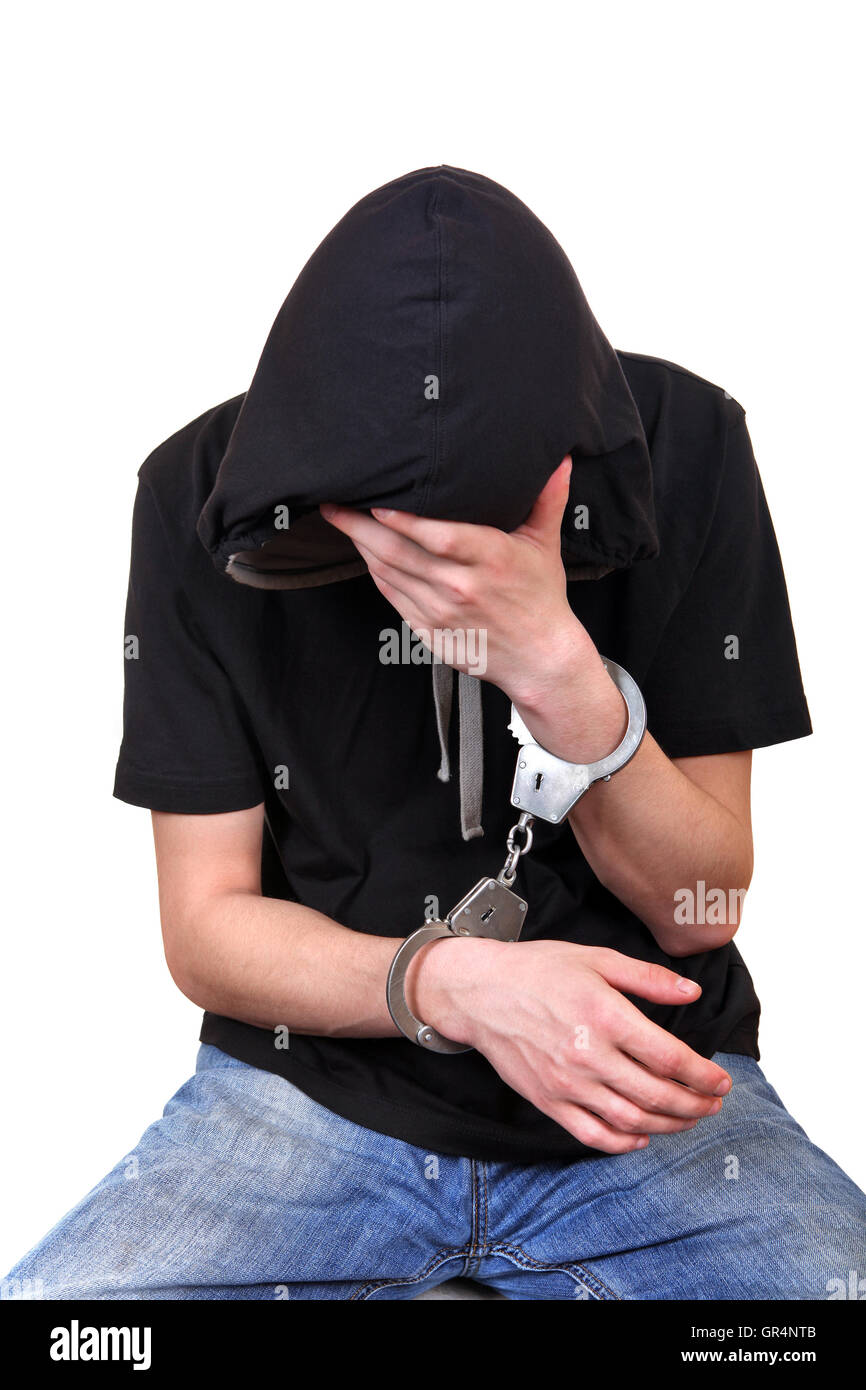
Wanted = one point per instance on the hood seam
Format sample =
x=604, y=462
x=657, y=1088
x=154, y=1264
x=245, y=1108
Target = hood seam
x=441, y=351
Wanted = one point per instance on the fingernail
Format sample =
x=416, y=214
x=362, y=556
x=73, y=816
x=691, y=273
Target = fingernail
x=723, y=1087
x=686, y=986
x=642, y=1143
x=327, y=509
x=715, y=1107
x=381, y=512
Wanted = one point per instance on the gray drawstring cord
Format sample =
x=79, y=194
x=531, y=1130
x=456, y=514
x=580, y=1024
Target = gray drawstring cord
x=443, y=684
x=471, y=741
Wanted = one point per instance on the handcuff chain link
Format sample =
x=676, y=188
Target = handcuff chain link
x=508, y=872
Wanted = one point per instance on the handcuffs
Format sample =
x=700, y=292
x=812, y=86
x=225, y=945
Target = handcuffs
x=545, y=787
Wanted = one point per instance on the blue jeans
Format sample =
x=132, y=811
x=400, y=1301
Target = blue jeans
x=246, y=1188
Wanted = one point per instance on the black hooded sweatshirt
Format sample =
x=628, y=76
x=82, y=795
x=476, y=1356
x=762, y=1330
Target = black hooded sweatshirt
x=436, y=354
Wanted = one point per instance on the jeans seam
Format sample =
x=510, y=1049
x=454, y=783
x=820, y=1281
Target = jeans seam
x=573, y=1268
x=441, y=1257
x=473, y=1182
x=485, y=1208
x=478, y=1237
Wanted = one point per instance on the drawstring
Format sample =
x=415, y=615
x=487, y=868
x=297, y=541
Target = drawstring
x=471, y=741
x=443, y=684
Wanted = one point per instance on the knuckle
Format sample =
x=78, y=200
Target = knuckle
x=495, y=556
x=590, y=1132
x=625, y=1116
x=389, y=550
x=603, y=955
x=605, y=1015
x=461, y=591
x=606, y=960
x=559, y=1081
x=667, y=1059
x=446, y=545
x=657, y=1100
x=440, y=615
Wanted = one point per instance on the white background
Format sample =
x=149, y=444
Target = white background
x=168, y=169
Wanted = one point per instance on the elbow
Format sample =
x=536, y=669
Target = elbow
x=702, y=917
x=187, y=981
x=681, y=945
x=183, y=962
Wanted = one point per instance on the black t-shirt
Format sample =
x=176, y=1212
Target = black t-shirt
x=234, y=696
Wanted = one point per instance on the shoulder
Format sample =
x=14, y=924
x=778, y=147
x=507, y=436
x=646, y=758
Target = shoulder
x=676, y=399
x=688, y=421
x=180, y=473
x=192, y=453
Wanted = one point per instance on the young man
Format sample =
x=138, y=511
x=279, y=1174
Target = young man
x=439, y=440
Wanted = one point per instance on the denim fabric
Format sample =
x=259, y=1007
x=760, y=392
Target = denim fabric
x=246, y=1188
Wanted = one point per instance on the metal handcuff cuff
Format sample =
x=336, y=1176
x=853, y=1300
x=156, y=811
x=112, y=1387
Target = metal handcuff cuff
x=543, y=786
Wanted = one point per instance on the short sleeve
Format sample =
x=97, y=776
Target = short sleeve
x=186, y=745
x=726, y=675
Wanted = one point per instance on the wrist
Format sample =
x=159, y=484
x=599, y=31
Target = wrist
x=572, y=707
x=445, y=983
x=564, y=649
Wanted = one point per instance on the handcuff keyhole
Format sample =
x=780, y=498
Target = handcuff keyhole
x=485, y=916
x=539, y=778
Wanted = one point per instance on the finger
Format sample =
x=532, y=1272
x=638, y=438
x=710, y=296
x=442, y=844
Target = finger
x=668, y=1057
x=397, y=600
x=414, y=589
x=384, y=543
x=644, y=978
x=460, y=541
x=589, y=1129
x=655, y=1094
x=626, y=1117
x=544, y=522
x=409, y=601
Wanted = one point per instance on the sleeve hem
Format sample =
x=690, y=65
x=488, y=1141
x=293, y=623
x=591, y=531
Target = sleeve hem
x=696, y=739
x=163, y=794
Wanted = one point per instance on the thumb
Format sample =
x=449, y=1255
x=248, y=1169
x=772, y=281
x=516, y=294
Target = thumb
x=545, y=520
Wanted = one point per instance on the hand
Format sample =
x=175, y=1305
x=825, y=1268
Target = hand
x=550, y=1016
x=510, y=587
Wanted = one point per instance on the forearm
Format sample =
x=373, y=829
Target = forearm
x=273, y=963
x=650, y=831
x=656, y=833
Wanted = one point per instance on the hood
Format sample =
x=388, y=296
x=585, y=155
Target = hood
x=436, y=354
